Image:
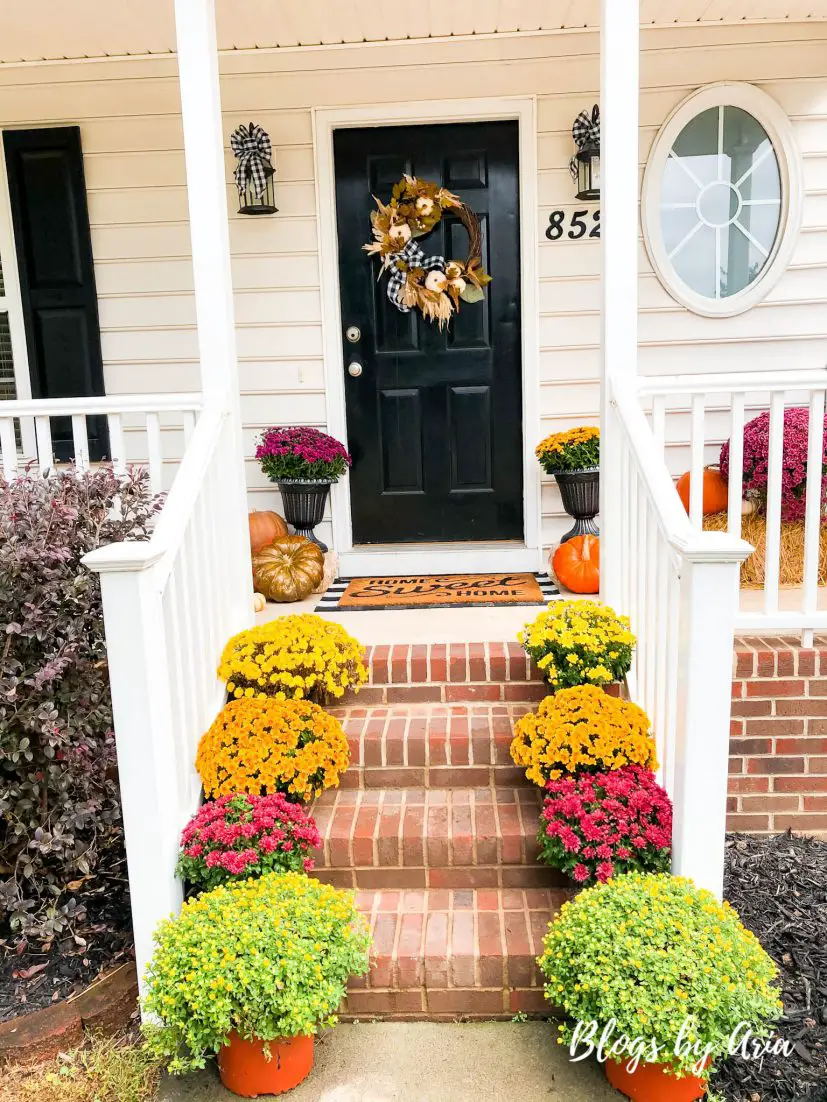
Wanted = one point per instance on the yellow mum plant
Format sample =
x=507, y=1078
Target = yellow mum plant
x=293, y=656
x=573, y=450
x=578, y=729
x=265, y=746
x=579, y=643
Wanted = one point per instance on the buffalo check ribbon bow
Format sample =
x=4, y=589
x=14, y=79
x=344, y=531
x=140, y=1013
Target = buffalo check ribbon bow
x=252, y=147
x=412, y=257
x=586, y=131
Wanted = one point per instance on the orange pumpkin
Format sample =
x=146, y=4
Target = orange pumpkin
x=576, y=564
x=715, y=492
x=265, y=527
x=288, y=570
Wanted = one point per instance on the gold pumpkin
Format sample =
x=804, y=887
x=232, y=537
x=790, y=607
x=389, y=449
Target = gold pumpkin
x=288, y=570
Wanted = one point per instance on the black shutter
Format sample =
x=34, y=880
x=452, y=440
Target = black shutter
x=57, y=277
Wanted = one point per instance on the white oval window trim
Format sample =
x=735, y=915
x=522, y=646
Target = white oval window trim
x=766, y=111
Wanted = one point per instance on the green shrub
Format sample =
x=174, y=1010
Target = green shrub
x=653, y=952
x=59, y=800
x=267, y=957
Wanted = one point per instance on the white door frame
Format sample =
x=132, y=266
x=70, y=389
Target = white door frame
x=432, y=557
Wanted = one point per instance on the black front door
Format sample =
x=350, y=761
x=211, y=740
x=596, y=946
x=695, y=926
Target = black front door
x=434, y=418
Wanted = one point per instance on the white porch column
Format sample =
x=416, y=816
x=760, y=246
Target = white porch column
x=207, y=196
x=619, y=192
x=707, y=607
x=139, y=674
x=198, y=79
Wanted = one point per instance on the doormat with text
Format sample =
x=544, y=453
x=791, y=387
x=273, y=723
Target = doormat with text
x=438, y=591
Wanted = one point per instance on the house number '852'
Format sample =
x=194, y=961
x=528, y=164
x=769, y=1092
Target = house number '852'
x=578, y=223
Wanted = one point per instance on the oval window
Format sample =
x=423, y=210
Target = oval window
x=721, y=199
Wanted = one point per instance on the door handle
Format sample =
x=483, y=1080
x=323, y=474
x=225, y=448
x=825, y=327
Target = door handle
x=354, y=369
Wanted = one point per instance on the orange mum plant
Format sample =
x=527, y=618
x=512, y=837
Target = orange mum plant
x=579, y=729
x=264, y=746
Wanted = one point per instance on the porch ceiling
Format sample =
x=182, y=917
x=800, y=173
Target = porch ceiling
x=54, y=29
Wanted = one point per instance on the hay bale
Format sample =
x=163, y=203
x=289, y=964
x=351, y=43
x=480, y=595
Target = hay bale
x=754, y=531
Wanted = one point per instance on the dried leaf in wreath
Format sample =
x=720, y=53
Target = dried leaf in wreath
x=472, y=293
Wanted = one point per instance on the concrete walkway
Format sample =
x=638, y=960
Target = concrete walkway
x=431, y=1062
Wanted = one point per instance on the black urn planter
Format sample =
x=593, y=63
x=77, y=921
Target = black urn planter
x=303, y=502
x=580, y=491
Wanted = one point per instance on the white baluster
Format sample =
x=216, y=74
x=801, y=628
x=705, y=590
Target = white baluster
x=43, y=435
x=659, y=422
x=8, y=446
x=188, y=425
x=736, y=466
x=116, y=443
x=813, y=510
x=155, y=453
x=773, y=539
x=80, y=443
x=696, y=466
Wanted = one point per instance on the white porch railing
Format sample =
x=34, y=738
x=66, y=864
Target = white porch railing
x=678, y=587
x=169, y=605
x=706, y=410
x=146, y=418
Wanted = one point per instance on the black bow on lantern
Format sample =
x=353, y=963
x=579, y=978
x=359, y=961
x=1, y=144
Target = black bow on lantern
x=251, y=145
x=586, y=131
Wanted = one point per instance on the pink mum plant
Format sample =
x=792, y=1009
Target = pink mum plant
x=793, y=461
x=594, y=825
x=242, y=835
x=303, y=453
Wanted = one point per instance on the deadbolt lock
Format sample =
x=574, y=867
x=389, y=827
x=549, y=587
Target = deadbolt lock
x=353, y=333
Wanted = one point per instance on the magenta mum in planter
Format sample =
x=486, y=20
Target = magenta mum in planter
x=595, y=825
x=243, y=835
x=793, y=462
x=304, y=463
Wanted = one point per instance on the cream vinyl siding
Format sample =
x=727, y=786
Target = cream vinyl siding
x=128, y=112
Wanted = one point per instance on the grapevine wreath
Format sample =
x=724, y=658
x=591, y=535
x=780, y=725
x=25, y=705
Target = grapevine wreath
x=432, y=284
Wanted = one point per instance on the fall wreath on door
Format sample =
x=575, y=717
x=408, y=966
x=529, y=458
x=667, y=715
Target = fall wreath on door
x=431, y=284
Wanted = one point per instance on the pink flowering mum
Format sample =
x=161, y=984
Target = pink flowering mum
x=793, y=461
x=303, y=453
x=244, y=835
x=595, y=825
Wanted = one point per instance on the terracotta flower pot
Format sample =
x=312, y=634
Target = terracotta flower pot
x=245, y=1069
x=650, y=1083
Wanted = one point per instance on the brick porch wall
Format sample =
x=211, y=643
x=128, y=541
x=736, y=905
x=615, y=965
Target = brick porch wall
x=778, y=744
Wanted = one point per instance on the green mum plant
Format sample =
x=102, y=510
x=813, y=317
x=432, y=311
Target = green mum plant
x=267, y=958
x=664, y=961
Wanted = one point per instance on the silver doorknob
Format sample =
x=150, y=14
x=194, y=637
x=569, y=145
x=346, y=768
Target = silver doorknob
x=354, y=369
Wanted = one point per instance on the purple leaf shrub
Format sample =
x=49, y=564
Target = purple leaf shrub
x=793, y=462
x=60, y=817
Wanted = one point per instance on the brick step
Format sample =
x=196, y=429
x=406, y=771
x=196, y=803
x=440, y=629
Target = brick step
x=442, y=955
x=431, y=838
x=431, y=745
x=416, y=673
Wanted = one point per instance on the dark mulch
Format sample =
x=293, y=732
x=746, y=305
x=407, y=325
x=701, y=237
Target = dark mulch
x=778, y=885
x=34, y=975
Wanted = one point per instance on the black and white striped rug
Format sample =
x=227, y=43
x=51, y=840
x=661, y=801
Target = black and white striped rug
x=438, y=591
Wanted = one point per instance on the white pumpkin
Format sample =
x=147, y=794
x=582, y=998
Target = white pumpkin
x=259, y=602
x=424, y=206
x=458, y=284
x=436, y=280
x=453, y=270
x=400, y=233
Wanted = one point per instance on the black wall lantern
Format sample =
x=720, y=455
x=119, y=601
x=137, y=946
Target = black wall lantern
x=254, y=172
x=585, y=164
